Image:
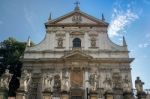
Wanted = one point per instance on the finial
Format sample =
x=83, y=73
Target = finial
x=29, y=42
x=50, y=17
x=77, y=6
x=103, y=18
x=124, y=41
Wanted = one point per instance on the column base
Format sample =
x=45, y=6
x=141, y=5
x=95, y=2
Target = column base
x=93, y=95
x=21, y=95
x=127, y=95
x=47, y=95
x=108, y=95
x=3, y=93
x=141, y=95
x=64, y=95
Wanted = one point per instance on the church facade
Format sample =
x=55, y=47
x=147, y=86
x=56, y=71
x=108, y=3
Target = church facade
x=76, y=60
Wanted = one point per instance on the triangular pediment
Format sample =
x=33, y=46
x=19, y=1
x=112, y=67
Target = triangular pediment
x=77, y=55
x=77, y=17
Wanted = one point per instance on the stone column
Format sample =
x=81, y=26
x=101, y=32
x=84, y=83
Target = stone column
x=47, y=95
x=127, y=95
x=3, y=93
x=109, y=95
x=141, y=95
x=93, y=95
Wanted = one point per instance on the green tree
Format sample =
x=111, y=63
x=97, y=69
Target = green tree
x=11, y=50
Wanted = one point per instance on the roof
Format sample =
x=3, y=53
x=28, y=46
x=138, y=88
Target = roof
x=92, y=20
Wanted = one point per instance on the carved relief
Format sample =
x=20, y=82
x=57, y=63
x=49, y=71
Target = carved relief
x=76, y=78
x=77, y=18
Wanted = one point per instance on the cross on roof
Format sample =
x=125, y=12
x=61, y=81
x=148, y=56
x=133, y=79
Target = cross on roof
x=77, y=3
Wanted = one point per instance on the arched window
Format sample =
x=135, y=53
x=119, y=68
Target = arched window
x=76, y=42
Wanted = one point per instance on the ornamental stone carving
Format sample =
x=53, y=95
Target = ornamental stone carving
x=47, y=82
x=126, y=84
x=5, y=79
x=93, y=80
x=139, y=85
x=108, y=83
x=25, y=80
x=117, y=80
x=60, y=42
x=65, y=82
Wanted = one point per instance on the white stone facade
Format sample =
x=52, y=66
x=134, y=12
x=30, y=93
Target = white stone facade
x=94, y=63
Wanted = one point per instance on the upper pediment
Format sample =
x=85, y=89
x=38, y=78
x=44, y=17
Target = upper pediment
x=76, y=18
x=77, y=55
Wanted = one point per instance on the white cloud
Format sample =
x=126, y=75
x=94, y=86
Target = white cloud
x=120, y=20
x=144, y=45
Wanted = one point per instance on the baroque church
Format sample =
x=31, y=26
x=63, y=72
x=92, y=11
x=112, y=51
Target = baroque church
x=77, y=60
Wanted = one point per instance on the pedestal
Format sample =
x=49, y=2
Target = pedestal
x=3, y=93
x=108, y=95
x=93, y=95
x=64, y=95
x=118, y=93
x=21, y=95
x=127, y=95
x=47, y=95
x=141, y=95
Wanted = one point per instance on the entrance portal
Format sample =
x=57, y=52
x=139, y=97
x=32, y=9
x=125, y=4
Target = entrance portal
x=76, y=97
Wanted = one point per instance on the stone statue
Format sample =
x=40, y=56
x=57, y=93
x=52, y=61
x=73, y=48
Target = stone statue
x=139, y=85
x=25, y=80
x=93, y=80
x=108, y=83
x=47, y=82
x=65, y=82
x=60, y=42
x=93, y=43
x=117, y=80
x=126, y=84
x=5, y=79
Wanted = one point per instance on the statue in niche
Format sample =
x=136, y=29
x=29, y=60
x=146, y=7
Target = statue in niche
x=108, y=83
x=47, y=82
x=139, y=85
x=60, y=42
x=57, y=84
x=25, y=80
x=117, y=80
x=93, y=42
x=126, y=84
x=65, y=82
x=93, y=80
x=5, y=79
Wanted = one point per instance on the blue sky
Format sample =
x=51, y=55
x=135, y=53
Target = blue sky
x=131, y=18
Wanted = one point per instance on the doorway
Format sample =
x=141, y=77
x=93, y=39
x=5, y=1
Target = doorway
x=76, y=97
